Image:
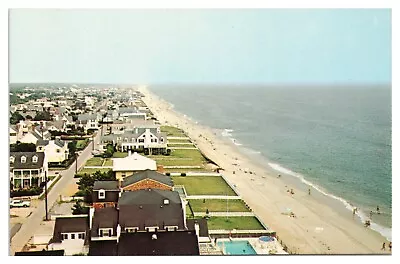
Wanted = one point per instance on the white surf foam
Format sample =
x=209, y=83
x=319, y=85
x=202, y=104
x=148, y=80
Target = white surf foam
x=384, y=231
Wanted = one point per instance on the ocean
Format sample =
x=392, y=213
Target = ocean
x=336, y=139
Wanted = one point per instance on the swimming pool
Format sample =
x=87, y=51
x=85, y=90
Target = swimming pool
x=237, y=248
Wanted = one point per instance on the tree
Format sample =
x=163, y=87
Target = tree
x=78, y=209
x=22, y=147
x=43, y=115
x=15, y=118
x=29, y=117
x=109, y=151
x=72, y=148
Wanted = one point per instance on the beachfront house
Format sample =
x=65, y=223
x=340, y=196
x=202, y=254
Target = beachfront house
x=13, y=134
x=123, y=167
x=27, y=169
x=146, y=140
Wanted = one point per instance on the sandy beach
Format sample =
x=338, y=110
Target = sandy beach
x=316, y=229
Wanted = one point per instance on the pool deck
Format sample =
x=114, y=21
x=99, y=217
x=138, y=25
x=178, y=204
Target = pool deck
x=262, y=248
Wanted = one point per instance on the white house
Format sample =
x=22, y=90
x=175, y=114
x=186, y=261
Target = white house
x=123, y=167
x=88, y=121
x=56, y=150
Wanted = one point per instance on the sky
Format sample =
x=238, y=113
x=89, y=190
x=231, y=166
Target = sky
x=271, y=46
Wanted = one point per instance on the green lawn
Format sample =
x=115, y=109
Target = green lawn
x=186, y=145
x=204, y=185
x=218, y=205
x=81, y=144
x=91, y=171
x=180, y=157
x=187, y=170
x=172, y=131
x=234, y=222
x=96, y=161
x=171, y=141
x=108, y=162
x=120, y=154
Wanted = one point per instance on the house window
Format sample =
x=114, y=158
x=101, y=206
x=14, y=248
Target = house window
x=40, y=148
x=131, y=229
x=58, y=150
x=152, y=229
x=34, y=159
x=64, y=236
x=12, y=159
x=81, y=235
x=105, y=232
x=72, y=236
x=141, y=140
x=102, y=194
x=23, y=159
x=162, y=140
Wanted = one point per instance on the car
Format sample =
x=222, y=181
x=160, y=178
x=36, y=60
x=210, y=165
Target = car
x=19, y=203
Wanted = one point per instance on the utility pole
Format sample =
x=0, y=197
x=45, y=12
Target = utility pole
x=45, y=194
x=93, y=141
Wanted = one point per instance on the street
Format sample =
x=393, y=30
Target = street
x=28, y=229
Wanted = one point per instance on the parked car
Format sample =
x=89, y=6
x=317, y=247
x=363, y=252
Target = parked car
x=19, y=203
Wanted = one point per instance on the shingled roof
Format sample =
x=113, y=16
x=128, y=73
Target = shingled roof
x=147, y=174
x=104, y=218
x=149, y=208
x=106, y=185
x=158, y=244
x=70, y=225
x=29, y=164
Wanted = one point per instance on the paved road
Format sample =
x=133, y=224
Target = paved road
x=28, y=228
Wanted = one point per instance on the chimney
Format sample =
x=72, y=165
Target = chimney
x=91, y=214
x=197, y=229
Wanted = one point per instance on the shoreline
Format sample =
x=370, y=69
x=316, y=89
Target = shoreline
x=317, y=229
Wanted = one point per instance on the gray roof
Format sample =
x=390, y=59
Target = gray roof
x=85, y=117
x=146, y=208
x=29, y=164
x=147, y=174
x=57, y=141
x=103, y=218
x=106, y=185
x=70, y=225
x=152, y=196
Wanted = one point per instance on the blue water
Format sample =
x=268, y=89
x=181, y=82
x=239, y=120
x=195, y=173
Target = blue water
x=336, y=139
x=237, y=248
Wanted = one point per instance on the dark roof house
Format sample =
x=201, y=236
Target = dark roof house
x=70, y=225
x=151, y=208
x=26, y=160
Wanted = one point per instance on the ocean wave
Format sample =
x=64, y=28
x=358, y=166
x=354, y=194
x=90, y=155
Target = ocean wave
x=384, y=231
x=228, y=133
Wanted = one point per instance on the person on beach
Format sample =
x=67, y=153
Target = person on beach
x=309, y=191
x=377, y=210
x=370, y=215
x=390, y=246
x=383, y=246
